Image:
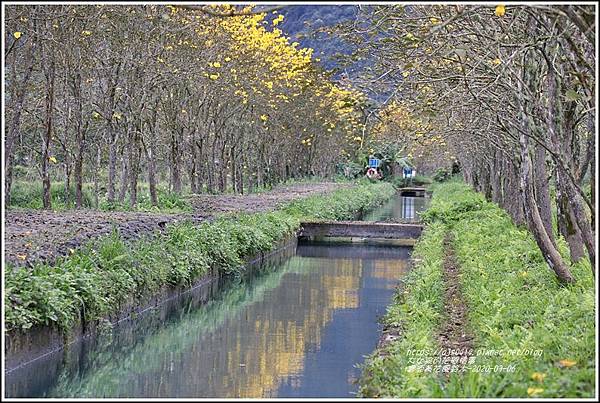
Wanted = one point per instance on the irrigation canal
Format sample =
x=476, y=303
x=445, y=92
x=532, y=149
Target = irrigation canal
x=299, y=325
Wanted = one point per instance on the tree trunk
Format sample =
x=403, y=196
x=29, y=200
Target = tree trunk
x=112, y=132
x=112, y=161
x=200, y=175
x=233, y=173
x=79, y=176
x=592, y=164
x=223, y=170
x=260, y=169
x=47, y=136
x=210, y=161
x=551, y=255
x=566, y=222
x=124, y=175
x=574, y=196
x=240, y=176
x=496, y=178
x=210, y=187
x=542, y=190
x=96, y=177
x=79, y=139
x=152, y=173
x=581, y=219
x=150, y=153
x=175, y=172
x=152, y=180
x=193, y=166
x=250, y=174
x=593, y=185
x=134, y=165
x=475, y=180
x=67, y=177
x=15, y=124
x=532, y=213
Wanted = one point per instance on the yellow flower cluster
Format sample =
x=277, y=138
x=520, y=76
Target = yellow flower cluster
x=253, y=60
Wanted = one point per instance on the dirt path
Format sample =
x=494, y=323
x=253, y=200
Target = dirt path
x=38, y=235
x=456, y=344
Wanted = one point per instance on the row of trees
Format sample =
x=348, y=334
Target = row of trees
x=115, y=94
x=511, y=91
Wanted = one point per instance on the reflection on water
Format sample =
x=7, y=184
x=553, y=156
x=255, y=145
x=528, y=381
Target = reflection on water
x=296, y=328
x=399, y=208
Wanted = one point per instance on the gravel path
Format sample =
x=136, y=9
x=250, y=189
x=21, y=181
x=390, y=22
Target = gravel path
x=39, y=235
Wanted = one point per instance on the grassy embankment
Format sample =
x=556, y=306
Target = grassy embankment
x=514, y=303
x=97, y=279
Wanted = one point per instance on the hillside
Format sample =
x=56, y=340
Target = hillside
x=302, y=21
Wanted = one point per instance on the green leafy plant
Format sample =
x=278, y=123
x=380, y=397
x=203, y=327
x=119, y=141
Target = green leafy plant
x=442, y=175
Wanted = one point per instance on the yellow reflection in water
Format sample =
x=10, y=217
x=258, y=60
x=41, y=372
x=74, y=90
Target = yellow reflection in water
x=384, y=270
x=277, y=349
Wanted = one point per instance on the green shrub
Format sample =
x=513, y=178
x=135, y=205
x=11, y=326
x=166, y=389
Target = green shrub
x=442, y=175
x=421, y=180
x=418, y=180
x=400, y=182
x=350, y=169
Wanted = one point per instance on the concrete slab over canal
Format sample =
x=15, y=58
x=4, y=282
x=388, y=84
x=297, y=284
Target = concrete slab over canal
x=360, y=230
x=413, y=191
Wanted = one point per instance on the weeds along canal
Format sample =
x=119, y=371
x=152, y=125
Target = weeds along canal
x=298, y=325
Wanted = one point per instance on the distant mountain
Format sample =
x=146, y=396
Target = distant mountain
x=301, y=24
x=301, y=21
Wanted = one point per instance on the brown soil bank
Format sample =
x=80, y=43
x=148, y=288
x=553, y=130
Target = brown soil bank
x=40, y=235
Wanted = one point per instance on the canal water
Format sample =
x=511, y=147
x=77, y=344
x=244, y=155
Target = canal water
x=297, y=326
x=399, y=209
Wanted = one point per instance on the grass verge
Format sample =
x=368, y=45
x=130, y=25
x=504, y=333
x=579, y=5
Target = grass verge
x=105, y=274
x=519, y=314
x=28, y=195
